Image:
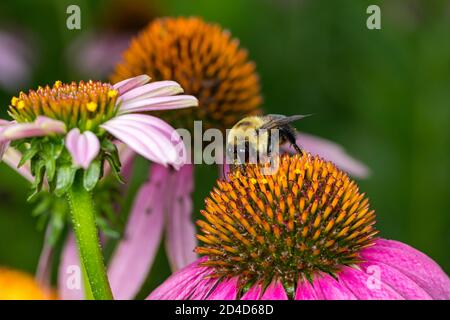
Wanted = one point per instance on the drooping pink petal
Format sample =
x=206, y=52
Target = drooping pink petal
x=275, y=291
x=70, y=281
x=332, y=152
x=181, y=284
x=44, y=268
x=3, y=147
x=12, y=158
x=150, y=137
x=180, y=236
x=158, y=103
x=227, y=289
x=134, y=255
x=305, y=291
x=329, y=288
x=42, y=126
x=361, y=285
x=412, y=263
x=254, y=293
x=3, y=144
x=83, y=147
x=152, y=90
x=131, y=83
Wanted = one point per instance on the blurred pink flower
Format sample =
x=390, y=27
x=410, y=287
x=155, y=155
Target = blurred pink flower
x=15, y=62
x=95, y=54
x=405, y=273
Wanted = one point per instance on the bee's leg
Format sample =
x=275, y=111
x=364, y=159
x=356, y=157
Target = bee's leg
x=289, y=135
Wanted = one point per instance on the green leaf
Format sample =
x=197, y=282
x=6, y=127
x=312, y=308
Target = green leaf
x=92, y=175
x=64, y=179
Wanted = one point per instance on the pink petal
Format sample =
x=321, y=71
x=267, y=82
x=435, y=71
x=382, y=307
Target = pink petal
x=412, y=263
x=150, y=137
x=42, y=126
x=328, y=288
x=158, y=103
x=180, y=237
x=305, y=291
x=151, y=90
x=12, y=158
x=84, y=147
x=332, y=152
x=203, y=288
x=254, y=293
x=226, y=290
x=183, y=283
x=131, y=83
x=4, y=123
x=68, y=268
x=401, y=283
x=275, y=291
x=44, y=268
x=357, y=281
x=5, y=143
x=3, y=147
x=134, y=255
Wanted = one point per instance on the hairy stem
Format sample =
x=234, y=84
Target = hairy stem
x=86, y=233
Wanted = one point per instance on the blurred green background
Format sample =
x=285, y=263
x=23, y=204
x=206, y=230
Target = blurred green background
x=382, y=94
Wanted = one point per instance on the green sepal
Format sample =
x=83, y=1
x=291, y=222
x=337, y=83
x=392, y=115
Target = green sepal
x=114, y=168
x=30, y=152
x=51, y=153
x=64, y=179
x=92, y=175
x=38, y=172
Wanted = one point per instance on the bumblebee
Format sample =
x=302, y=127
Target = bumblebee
x=253, y=136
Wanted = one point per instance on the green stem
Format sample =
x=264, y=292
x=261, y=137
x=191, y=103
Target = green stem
x=83, y=218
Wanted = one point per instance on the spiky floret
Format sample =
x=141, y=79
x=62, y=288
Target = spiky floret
x=205, y=60
x=83, y=105
x=306, y=218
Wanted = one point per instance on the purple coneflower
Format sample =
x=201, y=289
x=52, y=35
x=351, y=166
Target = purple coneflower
x=305, y=232
x=87, y=114
x=65, y=132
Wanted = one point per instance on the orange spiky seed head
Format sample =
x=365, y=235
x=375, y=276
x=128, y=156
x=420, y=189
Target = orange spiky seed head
x=205, y=60
x=306, y=218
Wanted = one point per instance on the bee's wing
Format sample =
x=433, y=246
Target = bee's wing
x=280, y=120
